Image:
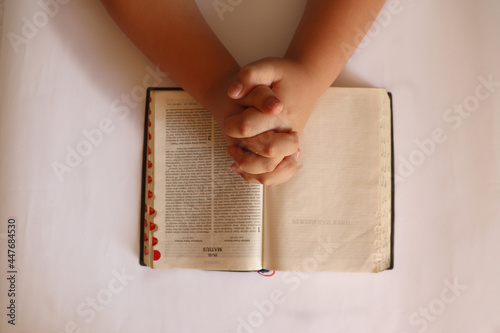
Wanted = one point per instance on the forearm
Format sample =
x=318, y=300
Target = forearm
x=327, y=26
x=174, y=35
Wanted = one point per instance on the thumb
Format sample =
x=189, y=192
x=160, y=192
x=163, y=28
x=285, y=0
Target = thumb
x=261, y=72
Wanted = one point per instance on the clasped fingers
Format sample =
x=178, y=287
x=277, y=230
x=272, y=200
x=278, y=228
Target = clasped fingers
x=272, y=144
x=250, y=123
x=283, y=171
x=269, y=157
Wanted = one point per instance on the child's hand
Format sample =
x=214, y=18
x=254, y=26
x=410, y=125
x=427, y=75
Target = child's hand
x=269, y=158
x=293, y=85
x=275, y=127
x=259, y=96
x=264, y=153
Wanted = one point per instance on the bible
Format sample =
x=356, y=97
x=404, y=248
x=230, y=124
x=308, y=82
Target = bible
x=334, y=214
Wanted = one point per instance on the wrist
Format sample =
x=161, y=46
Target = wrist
x=314, y=80
x=319, y=74
x=216, y=100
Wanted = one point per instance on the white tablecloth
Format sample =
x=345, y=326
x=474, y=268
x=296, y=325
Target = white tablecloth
x=71, y=126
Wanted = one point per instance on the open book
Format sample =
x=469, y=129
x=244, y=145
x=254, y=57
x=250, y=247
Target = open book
x=334, y=214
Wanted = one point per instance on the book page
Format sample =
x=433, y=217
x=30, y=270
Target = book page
x=207, y=216
x=334, y=214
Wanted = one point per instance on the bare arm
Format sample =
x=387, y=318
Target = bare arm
x=311, y=64
x=325, y=27
x=174, y=35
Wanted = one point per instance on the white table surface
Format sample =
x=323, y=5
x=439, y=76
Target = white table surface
x=63, y=75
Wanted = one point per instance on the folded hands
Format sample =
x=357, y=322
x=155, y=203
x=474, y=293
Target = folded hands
x=276, y=97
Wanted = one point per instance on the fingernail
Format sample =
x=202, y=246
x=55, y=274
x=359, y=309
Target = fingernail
x=235, y=89
x=296, y=155
x=271, y=103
